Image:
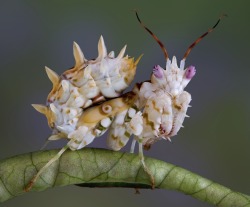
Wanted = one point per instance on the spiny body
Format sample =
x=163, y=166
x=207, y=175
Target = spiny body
x=87, y=100
x=71, y=114
x=69, y=110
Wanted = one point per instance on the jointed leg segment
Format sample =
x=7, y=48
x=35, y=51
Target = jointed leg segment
x=56, y=157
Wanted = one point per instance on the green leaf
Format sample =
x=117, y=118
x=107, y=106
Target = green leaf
x=104, y=168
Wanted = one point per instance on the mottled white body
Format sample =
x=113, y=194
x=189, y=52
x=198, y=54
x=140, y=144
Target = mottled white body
x=152, y=111
x=88, y=82
x=87, y=100
x=164, y=102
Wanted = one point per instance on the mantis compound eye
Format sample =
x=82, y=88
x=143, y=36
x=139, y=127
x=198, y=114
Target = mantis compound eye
x=190, y=72
x=157, y=71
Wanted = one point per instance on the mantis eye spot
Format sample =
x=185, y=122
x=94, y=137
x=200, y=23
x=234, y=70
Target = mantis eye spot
x=106, y=108
x=157, y=71
x=190, y=72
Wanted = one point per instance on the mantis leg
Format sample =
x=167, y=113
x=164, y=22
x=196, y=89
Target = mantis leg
x=144, y=164
x=132, y=149
x=34, y=179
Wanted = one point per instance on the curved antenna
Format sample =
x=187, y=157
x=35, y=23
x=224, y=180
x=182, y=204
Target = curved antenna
x=153, y=35
x=201, y=37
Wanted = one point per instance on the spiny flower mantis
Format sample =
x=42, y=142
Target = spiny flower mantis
x=87, y=100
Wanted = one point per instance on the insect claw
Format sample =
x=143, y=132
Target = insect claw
x=53, y=159
x=29, y=186
x=187, y=116
x=167, y=139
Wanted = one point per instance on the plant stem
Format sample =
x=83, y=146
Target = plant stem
x=105, y=168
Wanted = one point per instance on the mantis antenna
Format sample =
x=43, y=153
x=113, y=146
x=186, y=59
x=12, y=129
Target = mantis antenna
x=154, y=36
x=201, y=37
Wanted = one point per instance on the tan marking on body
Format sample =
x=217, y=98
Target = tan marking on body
x=77, y=141
x=154, y=106
x=72, y=72
x=129, y=98
x=92, y=84
x=127, y=134
x=59, y=92
x=114, y=137
x=126, y=79
x=165, y=112
x=150, y=123
x=120, y=144
x=95, y=114
x=177, y=106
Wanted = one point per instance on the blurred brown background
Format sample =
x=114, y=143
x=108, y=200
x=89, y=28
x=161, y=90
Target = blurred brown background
x=215, y=142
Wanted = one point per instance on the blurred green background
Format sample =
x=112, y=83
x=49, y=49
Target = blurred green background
x=215, y=142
